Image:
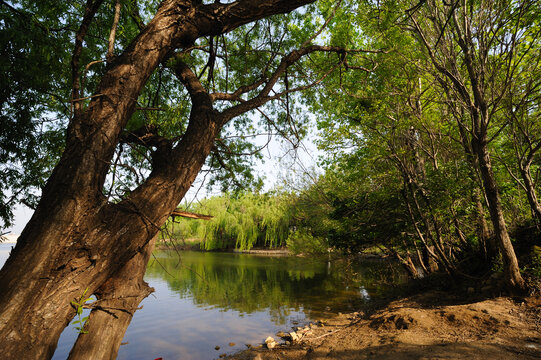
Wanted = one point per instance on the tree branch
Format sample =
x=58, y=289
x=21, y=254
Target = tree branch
x=112, y=34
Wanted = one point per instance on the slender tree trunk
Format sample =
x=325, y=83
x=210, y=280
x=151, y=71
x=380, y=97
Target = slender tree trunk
x=490, y=248
x=510, y=263
x=406, y=261
x=535, y=206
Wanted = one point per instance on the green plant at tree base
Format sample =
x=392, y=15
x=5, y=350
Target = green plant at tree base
x=79, y=304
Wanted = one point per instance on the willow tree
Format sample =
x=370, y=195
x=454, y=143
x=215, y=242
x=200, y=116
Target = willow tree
x=77, y=238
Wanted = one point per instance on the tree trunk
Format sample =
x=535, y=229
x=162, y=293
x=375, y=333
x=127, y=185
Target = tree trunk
x=76, y=240
x=490, y=248
x=531, y=194
x=118, y=299
x=406, y=261
x=41, y=278
x=510, y=263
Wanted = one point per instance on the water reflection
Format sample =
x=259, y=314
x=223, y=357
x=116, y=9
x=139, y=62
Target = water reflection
x=203, y=300
x=279, y=285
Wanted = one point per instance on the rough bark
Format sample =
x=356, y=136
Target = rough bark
x=117, y=300
x=510, y=262
x=76, y=239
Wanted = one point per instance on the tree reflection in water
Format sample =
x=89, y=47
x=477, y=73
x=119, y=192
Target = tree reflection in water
x=279, y=285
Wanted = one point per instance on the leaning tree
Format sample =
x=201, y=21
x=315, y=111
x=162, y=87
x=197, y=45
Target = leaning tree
x=82, y=240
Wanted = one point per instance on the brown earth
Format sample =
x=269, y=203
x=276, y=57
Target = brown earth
x=418, y=328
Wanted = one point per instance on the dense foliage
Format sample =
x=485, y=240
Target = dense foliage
x=433, y=152
x=431, y=139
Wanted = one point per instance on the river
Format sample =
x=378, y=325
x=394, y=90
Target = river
x=209, y=299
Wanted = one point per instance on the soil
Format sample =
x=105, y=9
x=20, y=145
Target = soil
x=429, y=326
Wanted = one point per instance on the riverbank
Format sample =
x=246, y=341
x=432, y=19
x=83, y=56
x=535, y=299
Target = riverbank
x=434, y=325
x=195, y=245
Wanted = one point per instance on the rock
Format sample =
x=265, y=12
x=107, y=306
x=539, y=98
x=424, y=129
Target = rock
x=269, y=339
x=249, y=346
x=258, y=357
x=216, y=348
x=294, y=336
x=270, y=342
x=282, y=334
x=231, y=344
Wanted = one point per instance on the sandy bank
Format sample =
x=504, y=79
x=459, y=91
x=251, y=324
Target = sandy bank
x=421, y=327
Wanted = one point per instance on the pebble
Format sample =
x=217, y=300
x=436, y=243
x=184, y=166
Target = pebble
x=216, y=348
x=271, y=343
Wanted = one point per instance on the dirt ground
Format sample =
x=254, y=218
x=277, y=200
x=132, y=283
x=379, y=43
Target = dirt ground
x=418, y=328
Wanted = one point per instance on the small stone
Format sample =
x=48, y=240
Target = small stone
x=294, y=336
x=270, y=342
x=216, y=348
x=281, y=334
x=223, y=355
x=249, y=346
x=269, y=339
x=231, y=344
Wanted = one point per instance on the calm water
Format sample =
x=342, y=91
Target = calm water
x=203, y=300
